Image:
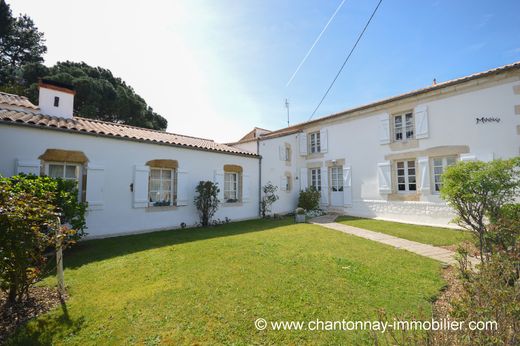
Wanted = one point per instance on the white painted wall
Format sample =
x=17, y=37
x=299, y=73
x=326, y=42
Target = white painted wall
x=118, y=158
x=46, y=102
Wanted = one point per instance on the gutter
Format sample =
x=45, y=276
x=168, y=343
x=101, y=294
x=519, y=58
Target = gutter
x=259, y=178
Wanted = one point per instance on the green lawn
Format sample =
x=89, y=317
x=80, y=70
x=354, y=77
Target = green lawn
x=437, y=236
x=207, y=286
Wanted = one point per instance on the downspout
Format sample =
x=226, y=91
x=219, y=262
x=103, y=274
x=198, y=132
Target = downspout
x=259, y=177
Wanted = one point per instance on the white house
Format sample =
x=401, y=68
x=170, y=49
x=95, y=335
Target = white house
x=134, y=180
x=379, y=160
x=385, y=159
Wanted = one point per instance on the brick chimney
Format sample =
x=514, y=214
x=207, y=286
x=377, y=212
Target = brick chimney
x=56, y=98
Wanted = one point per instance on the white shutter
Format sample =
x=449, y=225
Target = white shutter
x=303, y=179
x=325, y=185
x=347, y=185
x=281, y=152
x=218, y=178
x=384, y=177
x=141, y=186
x=421, y=122
x=246, y=188
x=283, y=183
x=324, y=141
x=468, y=157
x=303, y=143
x=95, y=186
x=28, y=167
x=424, y=174
x=384, y=128
x=183, y=188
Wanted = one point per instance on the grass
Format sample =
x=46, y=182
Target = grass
x=208, y=286
x=437, y=236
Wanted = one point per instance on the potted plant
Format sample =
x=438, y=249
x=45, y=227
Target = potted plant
x=299, y=215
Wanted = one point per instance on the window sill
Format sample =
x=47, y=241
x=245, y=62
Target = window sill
x=403, y=145
x=232, y=204
x=318, y=155
x=396, y=196
x=161, y=208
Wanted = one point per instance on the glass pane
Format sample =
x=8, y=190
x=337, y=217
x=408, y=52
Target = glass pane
x=154, y=196
x=70, y=172
x=166, y=174
x=411, y=179
x=166, y=198
x=450, y=161
x=437, y=170
x=155, y=173
x=437, y=187
x=398, y=121
x=411, y=164
x=437, y=178
x=155, y=184
x=56, y=171
x=411, y=171
x=400, y=171
x=400, y=164
x=401, y=187
x=412, y=187
x=400, y=180
x=166, y=185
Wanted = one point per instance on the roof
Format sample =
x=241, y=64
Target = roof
x=298, y=127
x=108, y=129
x=16, y=100
x=253, y=134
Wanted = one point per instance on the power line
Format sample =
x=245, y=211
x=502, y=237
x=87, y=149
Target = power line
x=314, y=44
x=346, y=60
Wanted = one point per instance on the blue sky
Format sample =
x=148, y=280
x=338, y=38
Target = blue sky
x=218, y=68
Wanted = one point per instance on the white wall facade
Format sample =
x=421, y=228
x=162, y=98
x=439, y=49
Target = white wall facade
x=65, y=104
x=448, y=125
x=112, y=210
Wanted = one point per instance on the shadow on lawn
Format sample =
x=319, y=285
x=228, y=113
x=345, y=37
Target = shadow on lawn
x=47, y=328
x=100, y=249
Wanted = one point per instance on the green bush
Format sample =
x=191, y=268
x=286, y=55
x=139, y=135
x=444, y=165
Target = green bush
x=28, y=226
x=309, y=199
x=206, y=201
x=65, y=198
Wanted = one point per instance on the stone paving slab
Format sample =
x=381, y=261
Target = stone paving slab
x=430, y=251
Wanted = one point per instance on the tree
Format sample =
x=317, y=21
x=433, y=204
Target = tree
x=477, y=191
x=268, y=198
x=206, y=201
x=20, y=43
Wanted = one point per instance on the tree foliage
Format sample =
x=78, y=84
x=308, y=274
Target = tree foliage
x=20, y=43
x=206, y=201
x=309, y=199
x=268, y=198
x=28, y=227
x=477, y=191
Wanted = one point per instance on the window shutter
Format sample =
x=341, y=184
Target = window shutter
x=324, y=141
x=281, y=152
x=421, y=122
x=95, y=186
x=347, y=186
x=384, y=177
x=384, y=128
x=183, y=188
x=246, y=188
x=468, y=157
x=218, y=179
x=28, y=167
x=303, y=179
x=324, y=185
x=141, y=186
x=283, y=183
x=303, y=143
x=424, y=177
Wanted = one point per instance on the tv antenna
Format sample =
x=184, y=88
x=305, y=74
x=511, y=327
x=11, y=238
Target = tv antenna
x=287, y=106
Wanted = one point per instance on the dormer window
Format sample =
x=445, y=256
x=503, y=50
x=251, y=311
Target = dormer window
x=403, y=126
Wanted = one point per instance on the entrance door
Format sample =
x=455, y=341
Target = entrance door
x=336, y=186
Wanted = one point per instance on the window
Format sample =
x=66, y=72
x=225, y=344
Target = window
x=56, y=101
x=287, y=154
x=231, y=187
x=162, y=189
x=336, y=179
x=403, y=126
x=406, y=176
x=314, y=142
x=316, y=178
x=439, y=165
x=66, y=171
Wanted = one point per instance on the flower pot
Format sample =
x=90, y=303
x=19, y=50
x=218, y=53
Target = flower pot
x=299, y=218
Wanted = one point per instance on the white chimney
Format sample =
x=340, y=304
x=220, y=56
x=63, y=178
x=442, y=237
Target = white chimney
x=56, y=99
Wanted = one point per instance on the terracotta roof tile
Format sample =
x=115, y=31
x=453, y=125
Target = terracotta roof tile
x=78, y=124
x=16, y=100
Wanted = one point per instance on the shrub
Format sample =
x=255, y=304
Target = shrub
x=65, y=198
x=268, y=198
x=300, y=211
x=28, y=226
x=309, y=199
x=206, y=201
x=477, y=191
